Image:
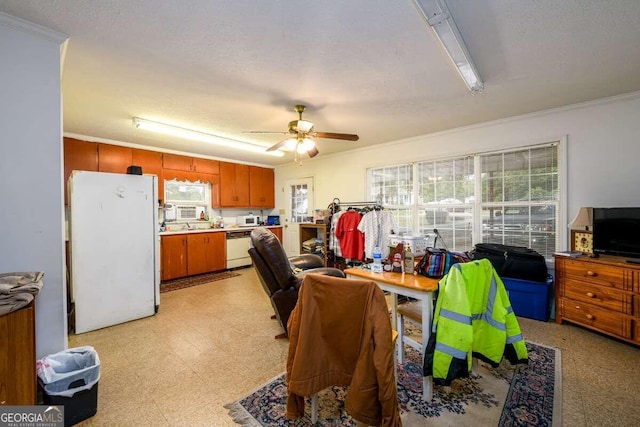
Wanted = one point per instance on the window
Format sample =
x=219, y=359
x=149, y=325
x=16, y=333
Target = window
x=185, y=192
x=509, y=197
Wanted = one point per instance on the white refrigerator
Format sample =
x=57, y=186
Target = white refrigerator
x=114, y=248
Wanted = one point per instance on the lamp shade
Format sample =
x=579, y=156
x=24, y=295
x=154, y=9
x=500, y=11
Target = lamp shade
x=583, y=220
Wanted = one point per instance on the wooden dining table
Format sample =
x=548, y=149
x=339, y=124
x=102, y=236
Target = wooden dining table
x=410, y=285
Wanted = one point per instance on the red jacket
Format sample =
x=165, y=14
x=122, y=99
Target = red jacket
x=340, y=334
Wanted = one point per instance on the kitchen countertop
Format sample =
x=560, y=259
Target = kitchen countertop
x=213, y=230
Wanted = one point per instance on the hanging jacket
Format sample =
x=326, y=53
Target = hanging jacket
x=340, y=334
x=473, y=317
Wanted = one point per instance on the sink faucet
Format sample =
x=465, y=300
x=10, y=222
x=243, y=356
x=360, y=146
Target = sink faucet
x=188, y=226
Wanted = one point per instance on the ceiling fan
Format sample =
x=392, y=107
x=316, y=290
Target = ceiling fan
x=300, y=136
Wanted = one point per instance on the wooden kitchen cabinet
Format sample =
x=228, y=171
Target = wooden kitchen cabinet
x=261, y=187
x=114, y=158
x=173, y=256
x=205, y=252
x=78, y=155
x=190, y=164
x=151, y=163
x=192, y=253
x=277, y=231
x=234, y=185
x=18, y=357
x=600, y=294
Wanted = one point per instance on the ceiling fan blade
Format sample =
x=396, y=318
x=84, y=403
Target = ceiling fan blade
x=278, y=145
x=266, y=132
x=331, y=135
x=313, y=152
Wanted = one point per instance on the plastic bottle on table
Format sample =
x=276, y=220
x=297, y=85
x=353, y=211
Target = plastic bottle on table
x=409, y=260
x=377, y=260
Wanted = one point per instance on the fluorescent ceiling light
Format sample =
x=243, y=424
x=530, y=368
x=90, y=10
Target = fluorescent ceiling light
x=437, y=15
x=195, y=135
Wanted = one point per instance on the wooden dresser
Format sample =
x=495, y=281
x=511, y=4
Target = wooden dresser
x=602, y=294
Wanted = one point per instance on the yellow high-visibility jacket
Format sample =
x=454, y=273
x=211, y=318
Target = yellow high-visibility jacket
x=473, y=317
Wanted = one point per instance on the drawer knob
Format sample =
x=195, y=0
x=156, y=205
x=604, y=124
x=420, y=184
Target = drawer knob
x=590, y=294
x=591, y=273
x=590, y=316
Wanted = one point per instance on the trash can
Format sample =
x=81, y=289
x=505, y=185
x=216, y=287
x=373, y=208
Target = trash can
x=70, y=378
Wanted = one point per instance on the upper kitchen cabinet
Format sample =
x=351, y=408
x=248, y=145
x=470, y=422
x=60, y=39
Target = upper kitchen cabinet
x=114, y=158
x=234, y=185
x=261, y=187
x=78, y=155
x=151, y=163
x=190, y=164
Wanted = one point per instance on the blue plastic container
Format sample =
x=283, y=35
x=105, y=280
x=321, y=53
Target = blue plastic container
x=529, y=299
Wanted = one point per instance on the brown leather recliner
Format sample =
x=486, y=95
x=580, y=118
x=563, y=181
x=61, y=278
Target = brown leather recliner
x=277, y=272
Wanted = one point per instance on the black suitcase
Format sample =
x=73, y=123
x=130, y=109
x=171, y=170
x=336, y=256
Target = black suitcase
x=517, y=262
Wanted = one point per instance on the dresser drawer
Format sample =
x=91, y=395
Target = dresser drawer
x=601, y=296
x=597, y=318
x=605, y=275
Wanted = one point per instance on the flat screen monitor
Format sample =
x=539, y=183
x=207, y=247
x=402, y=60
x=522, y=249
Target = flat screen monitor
x=616, y=231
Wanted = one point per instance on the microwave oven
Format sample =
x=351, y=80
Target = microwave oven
x=248, y=221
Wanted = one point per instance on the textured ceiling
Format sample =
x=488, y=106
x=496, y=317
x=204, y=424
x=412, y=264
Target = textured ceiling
x=370, y=67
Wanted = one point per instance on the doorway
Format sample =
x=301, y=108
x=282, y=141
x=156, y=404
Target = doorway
x=299, y=208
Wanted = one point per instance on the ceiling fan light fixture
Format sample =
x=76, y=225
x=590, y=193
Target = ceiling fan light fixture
x=307, y=144
x=196, y=135
x=437, y=15
x=290, y=144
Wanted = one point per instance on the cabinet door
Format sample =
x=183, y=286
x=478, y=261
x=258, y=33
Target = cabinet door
x=205, y=166
x=113, y=158
x=234, y=185
x=214, y=180
x=151, y=163
x=78, y=155
x=261, y=187
x=173, y=256
x=18, y=357
x=176, y=162
x=278, y=232
x=197, y=250
x=217, y=251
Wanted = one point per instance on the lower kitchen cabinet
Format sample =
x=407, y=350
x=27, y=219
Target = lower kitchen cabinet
x=173, y=256
x=205, y=252
x=18, y=357
x=188, y=254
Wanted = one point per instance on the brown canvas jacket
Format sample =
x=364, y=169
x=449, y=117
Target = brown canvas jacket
x=340, y=334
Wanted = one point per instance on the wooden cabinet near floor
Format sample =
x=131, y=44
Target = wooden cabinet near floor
x=18, y=357
x=316, y=233
x=173, y=256
x=205, y=252
x=192, y=253
x=234, y=185
x=261, y=187
x=602, y=294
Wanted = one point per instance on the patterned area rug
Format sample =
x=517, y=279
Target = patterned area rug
x=504, y=396
x=201, y=279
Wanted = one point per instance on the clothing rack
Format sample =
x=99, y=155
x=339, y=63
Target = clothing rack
x=335, y=204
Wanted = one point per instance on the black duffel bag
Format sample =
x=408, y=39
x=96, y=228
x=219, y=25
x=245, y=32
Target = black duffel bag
x=516, y=262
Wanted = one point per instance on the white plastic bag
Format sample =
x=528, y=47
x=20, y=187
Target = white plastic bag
x=67, y=372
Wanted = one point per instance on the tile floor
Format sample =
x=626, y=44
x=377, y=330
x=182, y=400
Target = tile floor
x=211, y=344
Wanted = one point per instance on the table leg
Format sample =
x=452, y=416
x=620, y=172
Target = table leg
x=427, y=306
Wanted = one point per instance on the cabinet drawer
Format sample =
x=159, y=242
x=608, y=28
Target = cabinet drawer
x=601, y=274
x=601, y=296
x=597, y=318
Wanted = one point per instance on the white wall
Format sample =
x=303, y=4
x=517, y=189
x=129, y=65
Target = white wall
x=31, y=200
x=603, y=152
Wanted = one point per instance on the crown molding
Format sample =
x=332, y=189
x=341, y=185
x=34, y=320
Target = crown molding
x=31, y=28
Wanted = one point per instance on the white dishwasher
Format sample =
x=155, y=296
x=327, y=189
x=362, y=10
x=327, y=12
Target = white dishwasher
x=238, y=248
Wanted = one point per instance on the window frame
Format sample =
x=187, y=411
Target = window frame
x=477, y=206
